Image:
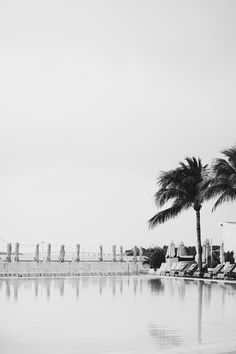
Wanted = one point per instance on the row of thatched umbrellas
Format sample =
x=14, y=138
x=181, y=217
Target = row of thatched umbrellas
x=206, y=251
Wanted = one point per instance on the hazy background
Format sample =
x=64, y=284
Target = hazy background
x=96, y=97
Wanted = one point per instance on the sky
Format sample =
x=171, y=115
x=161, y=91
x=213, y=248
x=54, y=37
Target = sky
x=98, y=97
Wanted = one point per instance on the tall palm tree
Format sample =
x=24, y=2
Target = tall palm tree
x=222, y=182
x=181, y=186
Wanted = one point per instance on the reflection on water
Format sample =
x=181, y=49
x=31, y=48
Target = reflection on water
x=36, y=288
x=166, y=338
x=117, y=312
x=199, y=320
x=12, y=286
x=156, y=285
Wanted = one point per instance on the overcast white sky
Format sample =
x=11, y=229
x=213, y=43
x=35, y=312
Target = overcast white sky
x=96, y=97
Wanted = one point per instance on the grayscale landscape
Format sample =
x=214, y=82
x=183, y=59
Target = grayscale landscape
x=117, y=176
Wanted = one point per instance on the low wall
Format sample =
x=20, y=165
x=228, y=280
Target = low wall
x=29, y=269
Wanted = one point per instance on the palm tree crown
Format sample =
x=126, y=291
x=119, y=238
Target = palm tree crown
x=182, y=186
x=223, y=180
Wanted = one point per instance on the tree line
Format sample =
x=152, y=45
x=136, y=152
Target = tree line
x=192, y=183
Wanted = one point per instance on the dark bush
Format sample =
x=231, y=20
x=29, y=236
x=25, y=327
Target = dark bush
x=229, y=257
x=157, y=257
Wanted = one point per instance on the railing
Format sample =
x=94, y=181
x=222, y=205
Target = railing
x=53, y=252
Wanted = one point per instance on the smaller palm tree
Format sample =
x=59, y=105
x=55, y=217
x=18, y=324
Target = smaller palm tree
x=222, y=183
x=182, y=187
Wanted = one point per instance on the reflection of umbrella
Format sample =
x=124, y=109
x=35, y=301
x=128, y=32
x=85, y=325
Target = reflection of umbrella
x=171, y=250
x=181, y=250
x=222, y=256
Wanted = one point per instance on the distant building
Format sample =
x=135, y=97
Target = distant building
x=229, y=235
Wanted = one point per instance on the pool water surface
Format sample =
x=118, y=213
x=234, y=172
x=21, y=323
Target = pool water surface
x=116, y=315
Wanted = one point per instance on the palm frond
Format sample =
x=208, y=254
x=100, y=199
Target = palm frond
x=164, y=195
x=165, y=215
x=205, y=184
x=180, y=185
x=213, y=189
x=222, y=168
x=194, y=171
x=228, y=196
x=167, y=178
x=231, y=155
x=232, y=180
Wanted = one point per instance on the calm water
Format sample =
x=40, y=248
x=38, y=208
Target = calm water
x=116, y=315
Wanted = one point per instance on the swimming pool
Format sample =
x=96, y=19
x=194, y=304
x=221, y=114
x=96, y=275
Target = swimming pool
x=116, y=315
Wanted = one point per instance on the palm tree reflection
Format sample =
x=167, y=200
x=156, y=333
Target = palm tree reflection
x=167, y=337
x=199, y=322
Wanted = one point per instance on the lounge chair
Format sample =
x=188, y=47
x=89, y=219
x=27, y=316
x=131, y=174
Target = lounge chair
x=213, y=272
x=179, y=268
x=198, y=274
x=172, y=269
x=189, y=270
x=227, y=272
x=233, y=273
x=162, y=269
x=166, y=271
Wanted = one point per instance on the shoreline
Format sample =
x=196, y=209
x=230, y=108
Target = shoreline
x=200, y=279
x=140, y=276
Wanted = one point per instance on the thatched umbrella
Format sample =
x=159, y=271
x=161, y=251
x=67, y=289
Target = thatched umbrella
x=77, y=252
x=36, y=256
x=100, y=253
x=181, y=250
x=121, y=254
x=17, y=251
x=114, y=253
x=222, y=256
x=9, y=249
x=62, y=253
x=208, y=250
x=49, y=252
x=170, y=250
x=204, y=253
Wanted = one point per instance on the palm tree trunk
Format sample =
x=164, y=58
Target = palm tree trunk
x=199, y=245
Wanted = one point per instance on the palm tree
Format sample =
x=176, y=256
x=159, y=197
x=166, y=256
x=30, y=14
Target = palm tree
x=222, y=182
x=181, y=186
